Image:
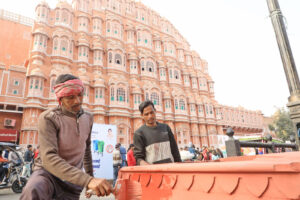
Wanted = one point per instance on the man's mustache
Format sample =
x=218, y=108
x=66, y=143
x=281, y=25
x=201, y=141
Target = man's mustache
x=76, y=105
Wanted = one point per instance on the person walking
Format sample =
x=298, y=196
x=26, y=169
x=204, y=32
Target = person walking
x=28, y=158
x=65, y=148
x=117, y=162
x=154, y=142
x=130, y=157
x=123, y=155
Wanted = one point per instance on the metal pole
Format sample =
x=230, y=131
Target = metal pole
x=287, y=61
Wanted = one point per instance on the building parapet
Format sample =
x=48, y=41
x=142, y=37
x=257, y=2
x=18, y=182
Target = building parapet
x=7, y=15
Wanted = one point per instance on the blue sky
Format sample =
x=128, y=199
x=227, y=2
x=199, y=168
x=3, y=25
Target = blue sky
x=237, y=39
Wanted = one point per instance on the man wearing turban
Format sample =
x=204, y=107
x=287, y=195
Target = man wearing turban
x=65, y=148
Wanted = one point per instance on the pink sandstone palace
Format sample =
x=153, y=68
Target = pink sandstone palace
x=125, y=53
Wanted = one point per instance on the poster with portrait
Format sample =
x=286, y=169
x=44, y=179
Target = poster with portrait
x=103, y=141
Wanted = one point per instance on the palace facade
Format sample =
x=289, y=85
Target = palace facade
x=124, y=53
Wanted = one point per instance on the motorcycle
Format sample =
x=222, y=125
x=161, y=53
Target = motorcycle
x=13, y=179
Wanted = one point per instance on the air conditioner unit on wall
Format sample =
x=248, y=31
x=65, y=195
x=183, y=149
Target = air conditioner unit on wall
x=9, y=122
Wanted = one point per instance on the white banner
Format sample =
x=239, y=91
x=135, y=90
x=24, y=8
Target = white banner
x=103, y=140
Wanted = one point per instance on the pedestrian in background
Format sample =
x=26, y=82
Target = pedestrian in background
x=28, y=158
x=123, y=155
x=130, y=157
x=117, y=162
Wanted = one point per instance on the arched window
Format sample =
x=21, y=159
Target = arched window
x=36, y=86
x=206, y=109
x=150, y=66
x=176, y=74
x=170, y=73
x=139, y=36
x=116, y=30
x=108, y=27
x=52, y=85
x=57, y=15
x=65, y=16
x=120, y=94
x=200, y=109
x=118, y=59
x=155, y=98
x=147, y=96
x=41, y=40
x=142, y=65
x=112, y=94
x=64, y=46
x=182, y=104
x=55, y=45
x=176, y=104
x=109, y=57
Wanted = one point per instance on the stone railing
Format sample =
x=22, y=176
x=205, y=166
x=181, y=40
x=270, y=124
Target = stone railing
x=7, y=15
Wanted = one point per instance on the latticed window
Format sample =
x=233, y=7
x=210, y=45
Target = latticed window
x=150, y=66
x=168, y=104
x=97, y=93
x=120, y=94
x=206, y=109
x=109, y=57
x=155, y=98
x=86, y=91
x=65, y=16
x=64, y=45
x=41, y=86
x=112, y=94
x=176, y=74
x=52, y=85
x=100, y=93
x=133, y=64
x=200, y=109
x=139, y=36
x=182, y=104
x=36, y=85
x=118, y=59
x=176, y=104
x=55, y=43
x=31, y=83
x=108, y=27
x=142, y=65
x=147, y=96
x=57, y=15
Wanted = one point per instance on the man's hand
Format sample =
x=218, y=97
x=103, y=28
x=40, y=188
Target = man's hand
x=100, y=186
x=142, y=162
x=88, y=194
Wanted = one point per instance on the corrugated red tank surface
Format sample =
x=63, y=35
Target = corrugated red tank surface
x=272, y=176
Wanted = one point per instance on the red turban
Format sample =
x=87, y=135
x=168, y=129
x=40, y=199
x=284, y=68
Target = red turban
x=68, y=88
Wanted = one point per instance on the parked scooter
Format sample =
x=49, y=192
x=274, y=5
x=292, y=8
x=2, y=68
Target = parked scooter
x=13, y=178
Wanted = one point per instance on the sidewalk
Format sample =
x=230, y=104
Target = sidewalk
x=94, y=197
x=8, y=194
